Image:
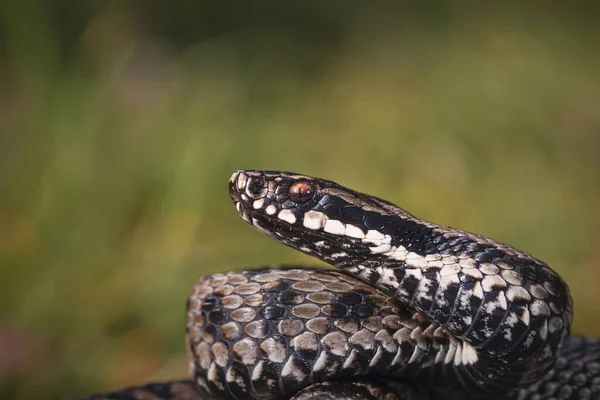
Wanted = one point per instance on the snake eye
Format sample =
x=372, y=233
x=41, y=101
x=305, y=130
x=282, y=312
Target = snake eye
x=301, y=192
x=257, y=188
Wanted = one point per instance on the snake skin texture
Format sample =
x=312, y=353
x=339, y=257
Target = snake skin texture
x=268, y=334
x=417, y=310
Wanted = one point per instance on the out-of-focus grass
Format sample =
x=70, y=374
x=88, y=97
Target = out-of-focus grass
x=118, y=136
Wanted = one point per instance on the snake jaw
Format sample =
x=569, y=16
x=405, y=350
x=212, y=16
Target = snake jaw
x=301, y=212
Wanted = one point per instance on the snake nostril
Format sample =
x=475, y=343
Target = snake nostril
x=257, y=188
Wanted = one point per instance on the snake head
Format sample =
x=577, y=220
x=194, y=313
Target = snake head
x=316, y=216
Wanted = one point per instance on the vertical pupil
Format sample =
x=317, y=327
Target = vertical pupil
x=301, y=192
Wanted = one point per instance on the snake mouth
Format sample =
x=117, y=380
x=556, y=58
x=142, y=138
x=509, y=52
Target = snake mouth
x=269, y=195
x=247, y=191
x=261, y=203
x=292, y=209
x=317, y=217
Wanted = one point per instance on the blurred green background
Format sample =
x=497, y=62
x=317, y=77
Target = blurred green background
x=121, y=122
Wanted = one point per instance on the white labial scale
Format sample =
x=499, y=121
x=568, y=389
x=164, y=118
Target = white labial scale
x=417, y=262
x=287, y=216
x=398, y=253
x=334, y=227
x=354, y=232
x=375, y=237
x=381, y=249
x=271, y=209
x=314, y=220
x=380, y=241
x=257, y=204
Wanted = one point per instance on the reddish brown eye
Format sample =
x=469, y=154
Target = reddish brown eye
x=301, y=192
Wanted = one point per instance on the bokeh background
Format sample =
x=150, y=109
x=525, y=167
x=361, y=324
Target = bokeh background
x=121, y=122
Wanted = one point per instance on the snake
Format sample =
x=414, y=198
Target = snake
x=410, y=310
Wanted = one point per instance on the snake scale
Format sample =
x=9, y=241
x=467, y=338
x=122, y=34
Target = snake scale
x=415, y=310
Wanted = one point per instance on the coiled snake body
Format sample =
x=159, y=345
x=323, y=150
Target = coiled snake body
x=416, y=311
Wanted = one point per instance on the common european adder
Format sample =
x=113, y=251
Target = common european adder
x=414, y=310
